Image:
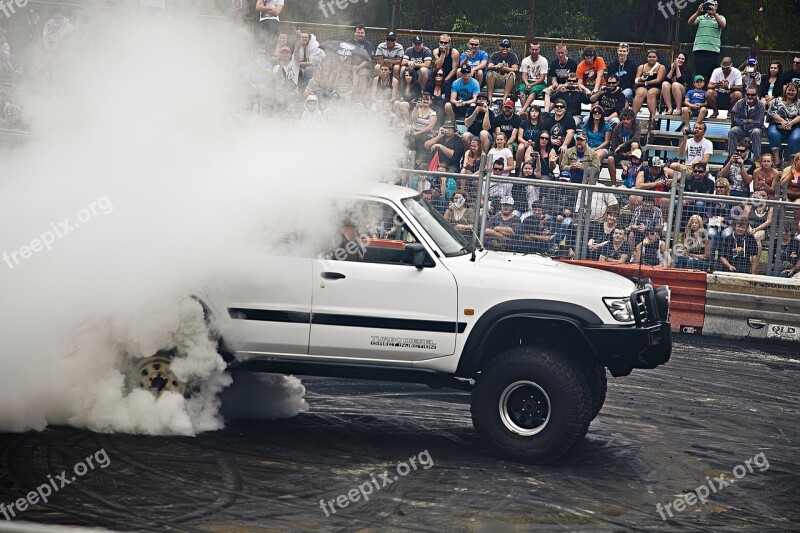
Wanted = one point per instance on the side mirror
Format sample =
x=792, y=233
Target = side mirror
x=415, y=254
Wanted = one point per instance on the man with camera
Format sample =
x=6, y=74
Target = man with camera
x=694, y=148
x=611, y=99
x=573, y=96
x=738, y=170
x=708, y=38
x=479, y=123
x=448, y=146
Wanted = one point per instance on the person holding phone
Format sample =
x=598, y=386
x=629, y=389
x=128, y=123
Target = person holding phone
x=708, y=38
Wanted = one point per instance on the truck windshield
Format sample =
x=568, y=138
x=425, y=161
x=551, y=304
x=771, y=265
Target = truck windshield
x=445, y=235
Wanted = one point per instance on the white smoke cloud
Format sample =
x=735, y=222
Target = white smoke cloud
x=138, y=114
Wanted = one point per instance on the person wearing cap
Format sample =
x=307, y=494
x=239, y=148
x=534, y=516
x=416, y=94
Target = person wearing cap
x=418, y=58
x=724, y=87
x=503, y=67
x=534, y=69
x=268, y=20
x=694, y=103
x=674, y=85
x=476, y=58
x=510, y=124
x=581, y=161
x=631, y=169
x=502, y=228
x=651, y=250
x=747, y=120
x=562, y=127
x=646, y=218
x=463, y=94
x=560, y=68
x=479, y=123
x=738, y=252
x=788, y=262
x=391, y=51
x=654, y=177
x=591, y=72
x=445, y=57
x=750, y=73
x=447, y=146
x=625, y=138
x=708, y=38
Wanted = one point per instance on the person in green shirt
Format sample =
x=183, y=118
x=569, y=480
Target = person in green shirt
x=708, y=38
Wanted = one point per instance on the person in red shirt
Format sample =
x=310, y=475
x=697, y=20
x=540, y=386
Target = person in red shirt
x=591, y=71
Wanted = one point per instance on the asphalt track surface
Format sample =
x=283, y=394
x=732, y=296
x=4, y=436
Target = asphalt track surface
x=715, y=405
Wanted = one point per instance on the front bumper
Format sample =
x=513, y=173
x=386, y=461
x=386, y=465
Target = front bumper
x=647, y=344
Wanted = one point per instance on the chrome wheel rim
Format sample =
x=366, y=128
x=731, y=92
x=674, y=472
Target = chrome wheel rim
x=525, y=408
x=155, y=375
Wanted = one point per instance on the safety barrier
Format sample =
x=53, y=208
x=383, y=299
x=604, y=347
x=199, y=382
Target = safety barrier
x=746, y=306
x=688, y=291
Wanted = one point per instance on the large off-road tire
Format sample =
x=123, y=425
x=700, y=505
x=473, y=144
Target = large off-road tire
x=531, y=404
x=597, y=380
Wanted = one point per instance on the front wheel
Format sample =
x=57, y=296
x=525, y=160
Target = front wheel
x=530, y=404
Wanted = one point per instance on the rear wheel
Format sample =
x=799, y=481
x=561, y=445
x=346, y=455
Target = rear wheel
x=154, y=374
x=532, y=405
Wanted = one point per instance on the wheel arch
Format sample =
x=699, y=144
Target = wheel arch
x=527, y=323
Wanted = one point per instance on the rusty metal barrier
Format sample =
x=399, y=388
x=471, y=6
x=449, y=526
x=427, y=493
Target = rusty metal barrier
x=688, y=287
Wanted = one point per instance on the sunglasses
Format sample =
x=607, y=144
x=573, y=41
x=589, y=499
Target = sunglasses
x=796, y=62
x=474, y=44
x=560, y=107
x=588, y=55
x=545, y=138
x=742, y=151
x=441, y=75
x=721, y=187
x=597, y=112
x=444, y=42
x=699, y=171
x=611, y=83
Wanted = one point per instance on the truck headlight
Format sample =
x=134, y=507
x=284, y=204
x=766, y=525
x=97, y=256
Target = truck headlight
x=620, y=308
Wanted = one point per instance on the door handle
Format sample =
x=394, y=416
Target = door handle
x=332, y=275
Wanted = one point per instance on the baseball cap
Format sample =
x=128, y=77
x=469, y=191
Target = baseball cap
x=465, y=68
x=580, y=135
x=508, y=103
x=483, y=95
x=417, y=39
x=448, y=124
x=565, y=176
x=651, y=230
x=391, y=36
x=505, y=43
x=507, y=200
x=656, y=161
x=752, y=60
x=637, y=153
x=699, y=78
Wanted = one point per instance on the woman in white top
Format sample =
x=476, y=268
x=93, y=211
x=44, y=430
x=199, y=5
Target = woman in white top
x=500, y=150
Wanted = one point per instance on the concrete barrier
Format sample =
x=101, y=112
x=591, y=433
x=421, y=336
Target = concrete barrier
x=745, y=306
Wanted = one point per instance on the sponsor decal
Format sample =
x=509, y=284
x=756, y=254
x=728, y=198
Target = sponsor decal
x=403, y=342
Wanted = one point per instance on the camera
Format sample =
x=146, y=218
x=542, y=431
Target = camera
x=442, y=131
x=708, y=6
x=605, y=88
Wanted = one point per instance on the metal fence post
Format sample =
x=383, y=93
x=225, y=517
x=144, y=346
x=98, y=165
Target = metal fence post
x=779, y=219
x=485, y=173
x=676, y=229
x=670, y=217
x=582, y=237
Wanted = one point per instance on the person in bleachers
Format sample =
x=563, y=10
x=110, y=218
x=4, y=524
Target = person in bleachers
x=502, y=227
x=408, y=92
x=708, y=38
x=694, y=103
x=384, y=85
x=772, y=84
x=598, y=133
x=544, y=156
x=719, y=215
x=479, y=123
x=476, y=58
x=574, y=97
x=533, y=68
x=535, y=233
x=793, y=75
x=360, y=40
x=673, y=89
x=460, y=214
x=789, y=259
x=738, y=170
x=580, y=160
x=446, y=58
x=654, y=176
x=423, y=120
x=11, y=114
x=440, y=92
x=784, y=114
x=501, y=151
x=591, y=72
x=508, y=123
x=766, y=176
x=738, y=252
x=54, y=31
x=532, y=193
x=6, y=67
x=698, y=182
x=472, y=162
x=448, y=146
x=694, y=250
x=646, y=218
x=759, y=217
x=418, y=58
x=616, y=251
x=561, y=204
x=308, y=55
x=693, y=149
x=560, y=68
x=533, y=123
x=562, y=127
x=791, y=179
x=649, y=78
x=624, y=70
x=748, y=119
x=503, y=68
x=625, y=138
x=724, y=87
x=651, y=250
x=611, y=99
x=601, y=233
x=392, y=51
x=463, y=95
x=750, y=73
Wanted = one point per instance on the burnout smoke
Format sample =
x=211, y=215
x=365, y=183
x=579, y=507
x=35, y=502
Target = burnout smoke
x=141, y=114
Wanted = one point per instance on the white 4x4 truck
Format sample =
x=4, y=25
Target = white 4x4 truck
x=530, y=337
